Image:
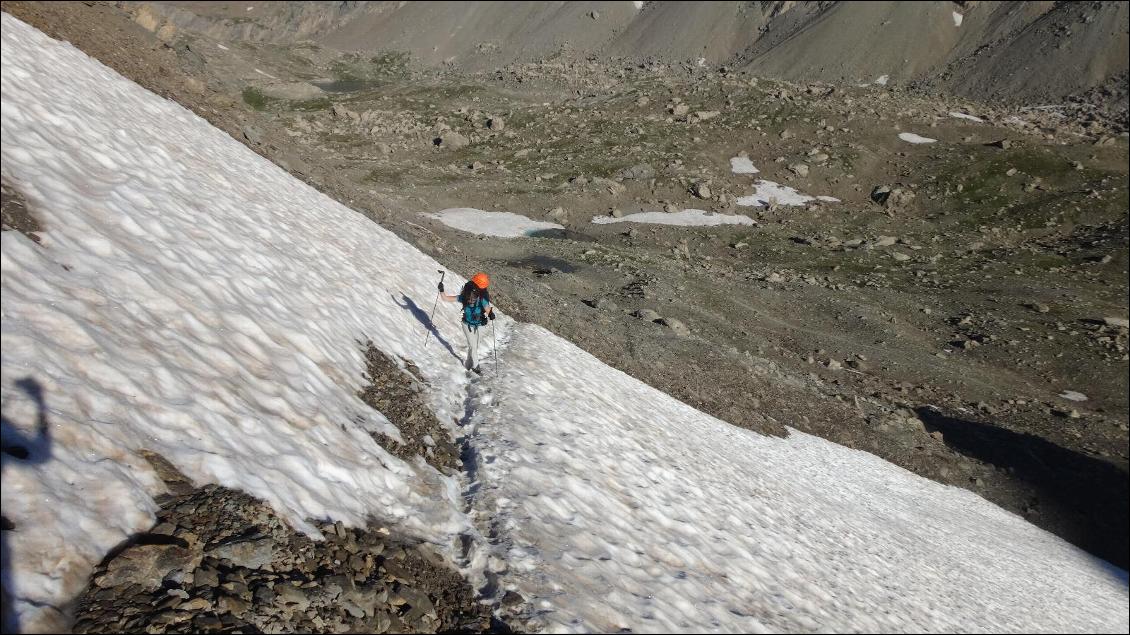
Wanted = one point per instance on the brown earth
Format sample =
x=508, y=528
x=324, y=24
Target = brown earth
x=15, y=215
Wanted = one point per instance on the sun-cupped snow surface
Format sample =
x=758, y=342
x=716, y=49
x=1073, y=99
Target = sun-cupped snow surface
x=192, y=299
x=500, y=224
x=767, y=193
x=686, y=218
x=962, y=115
x=910, y=137
x=618, y=507
x=742, y=165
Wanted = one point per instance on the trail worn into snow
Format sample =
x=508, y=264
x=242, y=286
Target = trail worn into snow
x=190, y=298
x=614, y=506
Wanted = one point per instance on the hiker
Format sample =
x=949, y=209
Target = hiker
x=477, y=310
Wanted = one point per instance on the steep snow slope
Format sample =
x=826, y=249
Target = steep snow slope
x=618, y=507
x=191, y=299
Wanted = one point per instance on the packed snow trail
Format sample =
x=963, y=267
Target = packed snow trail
x=623, y=508
x=192, y=299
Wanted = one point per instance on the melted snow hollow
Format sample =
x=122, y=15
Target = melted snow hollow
x=193, y=299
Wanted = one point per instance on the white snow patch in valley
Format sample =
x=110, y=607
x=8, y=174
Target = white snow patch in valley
x=957, y=18
x=768, y=192
x=910, y=137
x=501, y=224
x=208, y=309
x=962, y=115
x=222, y=47
x=192, y=299
x=1073, y=395
x=265, y=74
x=638, y=4
x=687, y=218
x=742, y=165
x=882, y=80
x=627, y=509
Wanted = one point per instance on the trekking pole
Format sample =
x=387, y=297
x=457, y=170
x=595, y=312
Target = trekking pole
x=442, y=273
x=494, y=337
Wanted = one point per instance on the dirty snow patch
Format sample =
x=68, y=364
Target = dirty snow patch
x=500, y=224
x=962, y=115
x=957, y=18
x=910, y=137
x=1073, y=395
x=742, y=165
x=882, y=80
x=766, y=193
x=687, y=218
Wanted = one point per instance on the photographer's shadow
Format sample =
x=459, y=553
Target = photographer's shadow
x=19, y=447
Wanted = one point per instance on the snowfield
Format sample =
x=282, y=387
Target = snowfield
x=766, y=193
x=685, y=218
x=192, y=299
x=910, y=137
x=966, y=116
x=499, y=224
x=629, y=509
x=742, y=165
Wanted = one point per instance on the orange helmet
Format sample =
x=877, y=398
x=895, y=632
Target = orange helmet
x=481, y=280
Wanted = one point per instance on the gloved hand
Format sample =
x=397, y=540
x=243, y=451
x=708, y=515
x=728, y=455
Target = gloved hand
x=441, y=286
x=491, y=314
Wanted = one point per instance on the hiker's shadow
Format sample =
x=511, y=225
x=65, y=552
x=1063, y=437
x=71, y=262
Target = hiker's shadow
x=18, y=447
x=422, y=316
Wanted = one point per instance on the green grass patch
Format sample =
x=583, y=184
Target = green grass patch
x=256, y=99
x=384, y=176
x=384, y=67
x=989, y=196
x=308, y=105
